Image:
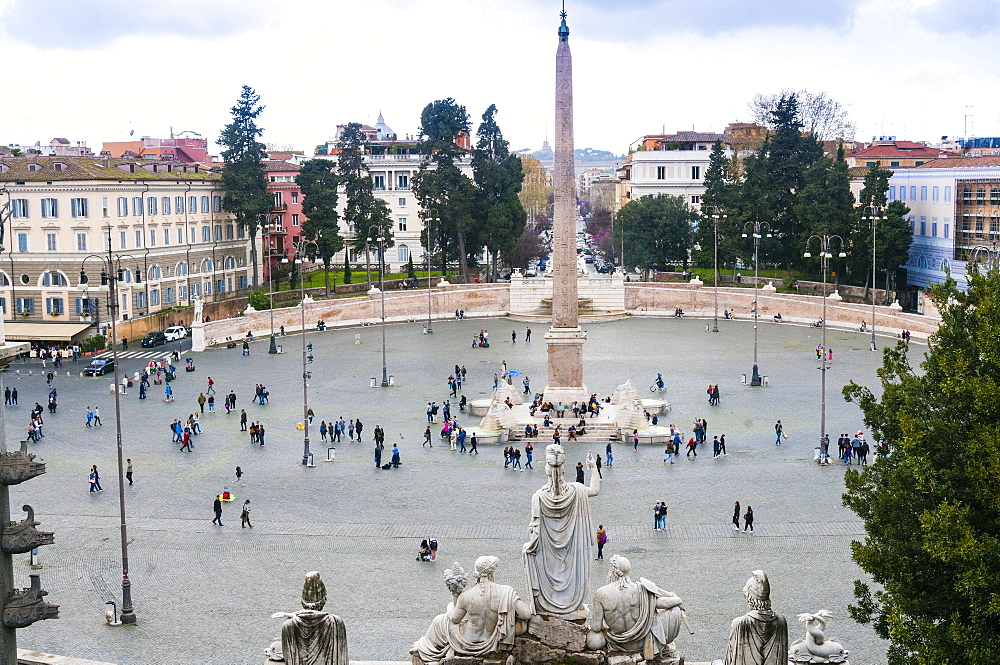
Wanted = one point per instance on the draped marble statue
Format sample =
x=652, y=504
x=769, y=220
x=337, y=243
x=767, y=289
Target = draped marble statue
x=479, y=621
x=633, y=616
x=759, y=637
x=557, y=554
x=311, y=636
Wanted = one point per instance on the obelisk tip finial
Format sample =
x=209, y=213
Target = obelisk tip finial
x=563, y=28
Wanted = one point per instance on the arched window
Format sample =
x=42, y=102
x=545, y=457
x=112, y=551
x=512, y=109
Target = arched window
x=155, y=272
x=230, y=263
x=182, y=269
x=945, y=265
x=4, y=279
x=403, y=253
x=207, y=265
x=53, y=278
x=921, y=262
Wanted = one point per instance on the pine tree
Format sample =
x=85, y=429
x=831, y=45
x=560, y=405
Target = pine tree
x=363, y=209
x=319, y=184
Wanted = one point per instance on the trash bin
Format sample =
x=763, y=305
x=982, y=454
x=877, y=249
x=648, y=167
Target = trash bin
x=279, y=349
x=374, y=382
x=744, y=381
x=765, y=380
x=392, y=380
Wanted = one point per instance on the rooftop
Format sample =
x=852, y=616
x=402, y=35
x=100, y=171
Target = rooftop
x=18, y=169
x=900, y=149
x=962, y=162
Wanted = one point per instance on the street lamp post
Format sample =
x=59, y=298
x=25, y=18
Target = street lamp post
x=992, y=255
x=307, y=357
x=874, y=218
x=755, y=379
x=111, y=276
x=270, y=293
x=380, y=239
x=715, y=218
x=825, y=242
x=429, y=252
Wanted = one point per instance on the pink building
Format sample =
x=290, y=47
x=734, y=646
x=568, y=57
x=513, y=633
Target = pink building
x=280, y=236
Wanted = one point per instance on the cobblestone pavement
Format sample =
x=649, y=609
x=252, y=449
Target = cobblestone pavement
x=204, y=593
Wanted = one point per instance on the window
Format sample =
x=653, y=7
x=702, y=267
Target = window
x=140, y=298
x=207, y=266
x=33, y=167
x=19, y=208
x=229, y=231
x=278, y=200
x=58, y=166
x=193, y=204
x=50, y=242
x=54, y=306
x=695, y=199
x=196, y=290
x=81, y=242
x=193, y=234
x=979, y=224
x=138, y=238
x=22, y=242
x=403, y=253
x=891, y=164
x=86, y=306
x=154, y=297
x=204, y=204
x=26, y=305
x=104, y=207
x=165, y=205
x=241, y=231
x=179, y=205
x=892, y=192
x=923, y=226
x=122, y=206
x=206, y=234
x=923, y=193
x=934, y=229
x=947, y=193
x=137, y=206
x=230, y=263
x=50, y=208
x=918, y=163
x=218, y=232
x=947, y=228
x=168, y=295
x=378, y=181
x=182, y=292
x=208, y=287
x=401, y=201
x=166, y=236
x=935, y=193
x=180, y=236
x=995, y=196
x=78, y=207
x=869, y=163
x=295, y=197
x=121, y=240
x=966, y=225
x=902, y=192
x=54, y=278
x=913, y=192
x=182, y=269
x=152, y=237
x=295, y=219
x=661, y=173
x=402, y=223
x=220, y=285
x=695, y=172
x=216, y=203
x=151, y=205
x=241, y=282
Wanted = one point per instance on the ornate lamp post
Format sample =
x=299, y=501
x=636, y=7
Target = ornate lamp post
x=715, y=262
x=874, y=217
x=992, y=255
x=755, y=379
x=112, y=276
x=825, y=242
x=430, y=247
x=380, y=239
x=307, y=357
x=269, y=219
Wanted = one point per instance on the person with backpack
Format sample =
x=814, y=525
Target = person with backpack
x=602, y=540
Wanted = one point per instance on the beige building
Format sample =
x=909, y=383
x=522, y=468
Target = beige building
x=163, y=220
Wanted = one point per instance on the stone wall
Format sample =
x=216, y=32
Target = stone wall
x=646, y=299
x=533, y=295
x=478, y=300
x=159, y=321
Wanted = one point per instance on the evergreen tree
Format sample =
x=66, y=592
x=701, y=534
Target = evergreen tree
x=498, y=175
x=243, y=175
x=318, y=183
x=717, y=200
x=362, y=209
x=656, y=230
x=930, y=501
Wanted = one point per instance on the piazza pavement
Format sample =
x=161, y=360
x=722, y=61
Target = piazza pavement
x=204, y=594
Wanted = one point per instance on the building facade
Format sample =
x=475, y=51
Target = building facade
x=954, y=213
x=284, y=225
x=163, y=221
x=673, y=164
x=187, y=147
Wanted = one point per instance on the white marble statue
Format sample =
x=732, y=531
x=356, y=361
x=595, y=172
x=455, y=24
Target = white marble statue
x=557, y=554
x=199, y=304
x=759, y=637
x=633, y=616
x=480, y=620
x=311, y=636
x=815, y=647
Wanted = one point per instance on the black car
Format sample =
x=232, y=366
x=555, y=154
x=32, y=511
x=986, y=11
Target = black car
x=99, y=367
x=153, y=339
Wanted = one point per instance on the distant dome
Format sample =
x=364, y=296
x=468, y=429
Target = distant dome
x=384, y=130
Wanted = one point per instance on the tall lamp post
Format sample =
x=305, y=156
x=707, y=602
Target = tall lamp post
x=307, y=356
x=992, y=255
x=825, y=242
x=112, y=275
x=269, y=220
x=380, y=239
x=430, y=247
x=715, y=262
x=874, y=217
x=756, y=227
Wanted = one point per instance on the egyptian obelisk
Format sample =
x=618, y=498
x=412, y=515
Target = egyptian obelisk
x=565, y=338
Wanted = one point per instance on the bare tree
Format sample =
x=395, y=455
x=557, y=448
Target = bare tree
x=821, y=115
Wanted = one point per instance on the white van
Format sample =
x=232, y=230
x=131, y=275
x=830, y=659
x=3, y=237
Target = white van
x=175, y=333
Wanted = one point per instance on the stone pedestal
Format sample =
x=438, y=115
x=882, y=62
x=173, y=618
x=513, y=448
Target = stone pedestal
x=198, y=337
x=565, y=365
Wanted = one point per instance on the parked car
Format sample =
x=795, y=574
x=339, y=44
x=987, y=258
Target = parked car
x=99, y=367
x=153, y=339
x=531, y=272
x=175, y=333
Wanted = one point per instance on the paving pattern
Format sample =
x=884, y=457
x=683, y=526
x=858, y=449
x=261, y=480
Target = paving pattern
x=204, y=593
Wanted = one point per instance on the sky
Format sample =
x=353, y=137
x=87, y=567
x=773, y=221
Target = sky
x=96, y=70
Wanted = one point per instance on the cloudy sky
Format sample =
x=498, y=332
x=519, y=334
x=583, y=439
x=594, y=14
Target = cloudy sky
x=97, y=69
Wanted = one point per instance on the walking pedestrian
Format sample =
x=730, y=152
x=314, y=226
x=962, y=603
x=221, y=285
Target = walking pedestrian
x=527, y=334
x=93, y=481
x=211, y=386
x=378, y=454
x=239, y=475
x=260, y=434
x=513, y=337
x=97, y=416
x=663, y=516
x=474, y=446
x=13, y=396
x=243, y=420
x=186, y=440
x=245, y=516
x=608, y=456
x=358, y=427
x=779, y=431
x=635, y=439
x=736, y=516
x=602, y=540
x=599, y=465
x=722, y=444
x=128, y=471
x=217, y=507
x=579, y=473
x=748, y=520
x=201, y=402
x=211, y=403
x=656, y=516
x=427, y=438
x=395, y=455
x=97, y=479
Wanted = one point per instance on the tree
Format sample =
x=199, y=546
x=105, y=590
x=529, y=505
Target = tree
x=441, y=186
x=243, y=176
x=363, y=209
x=411, y=272
x=599, y=226
x=656, y=229
x=498, y=175
x=822, y=116
x=529, y=247
x=930, y=502
x=319, y=184
x=717, y=200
